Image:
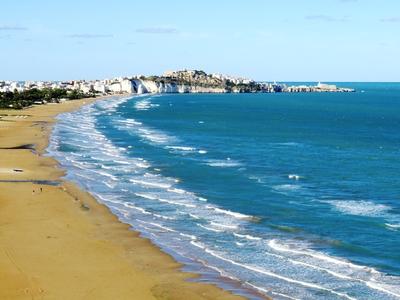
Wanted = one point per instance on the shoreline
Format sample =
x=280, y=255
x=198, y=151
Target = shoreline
x=53, y=233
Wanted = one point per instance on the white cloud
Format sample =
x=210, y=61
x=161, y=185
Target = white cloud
x=157, y=30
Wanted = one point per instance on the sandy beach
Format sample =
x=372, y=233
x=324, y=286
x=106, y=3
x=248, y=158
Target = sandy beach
x=57, y=242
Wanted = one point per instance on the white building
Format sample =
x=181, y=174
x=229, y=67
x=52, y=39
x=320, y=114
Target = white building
x=100, y=87
x=86, y=88
x=127, y=86
x=115, y=87
x=326, y=87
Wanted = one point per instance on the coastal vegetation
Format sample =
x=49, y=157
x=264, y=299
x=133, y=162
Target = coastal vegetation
x=19, y=100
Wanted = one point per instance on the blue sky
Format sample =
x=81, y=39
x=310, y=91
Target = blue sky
x=286, y=40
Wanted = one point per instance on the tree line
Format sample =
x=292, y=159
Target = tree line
x=19, y=100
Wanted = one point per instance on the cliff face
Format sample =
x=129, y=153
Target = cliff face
x=194, y=81
x=149, y=86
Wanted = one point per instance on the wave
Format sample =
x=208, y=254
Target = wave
x=286, y=187
x=230, y=213
x=267, y=292
x=359, y=208
x=320, y=256
x=348, y=267
x=145, y=105
x=393, y=226
x=281, y=277
x=131, y=122
x=247, y=236
x=194, y=216
x=209, y=228
x=151, y=184
x=158, y=226
x=181, y=148
x=223, y=163
x=177, y=191
x=226, y=226
x=151, y=197
x=148, y=134
x=176, y=203
x=198, y=245
x=146, y=196
x=192, y=237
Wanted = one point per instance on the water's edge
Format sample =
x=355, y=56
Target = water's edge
x=203, y=274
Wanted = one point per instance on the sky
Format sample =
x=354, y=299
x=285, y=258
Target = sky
x=286, y=40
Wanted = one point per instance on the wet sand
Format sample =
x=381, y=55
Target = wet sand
x=57, y=242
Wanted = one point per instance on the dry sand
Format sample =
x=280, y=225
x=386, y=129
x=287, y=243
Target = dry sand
x=57, y=242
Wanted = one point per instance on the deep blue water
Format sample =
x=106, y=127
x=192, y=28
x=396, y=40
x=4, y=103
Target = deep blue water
x=294, y=195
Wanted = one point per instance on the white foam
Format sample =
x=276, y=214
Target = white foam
x=83, y=176
x=223, y=163
x=198, y=245
x=359, y=208
x=151, y=135
x=333, y=273
x=384, y=288
x=286, y=187
x=283, y=248
x=177, y=191
x=181, y=148
x=151, y=197
x=294, y=176
x=147, y=196
x=163, y=217
x=151, y=184
x=142, y=165
x=123, y=162
x=111, y=186
x=105, y=174
x=284, y=278
x=107, y=167
x=226, y=226
x=144, y=105
x=209, y=228
x=158, y=226
x=231, y=213
x=192, y=237
x=265, y=291
x=247, y=236
x=392, y=226
x=194, y=216
x=176, y=203
x=131, y=122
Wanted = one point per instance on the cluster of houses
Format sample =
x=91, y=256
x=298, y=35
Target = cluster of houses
x=107, y=86
x=201, y=76
x=186, y=81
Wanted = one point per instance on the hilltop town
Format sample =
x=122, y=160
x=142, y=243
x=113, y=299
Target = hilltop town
x=15, y=94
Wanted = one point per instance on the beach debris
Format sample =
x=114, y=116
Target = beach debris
x=84, y=207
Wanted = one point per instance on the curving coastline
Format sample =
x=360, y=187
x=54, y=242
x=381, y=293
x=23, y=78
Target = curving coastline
x=58, y=242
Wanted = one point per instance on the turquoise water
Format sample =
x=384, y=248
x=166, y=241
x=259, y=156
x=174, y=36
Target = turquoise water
x=295, y=196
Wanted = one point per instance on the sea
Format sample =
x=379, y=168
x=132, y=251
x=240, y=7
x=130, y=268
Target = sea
x=290, y=196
